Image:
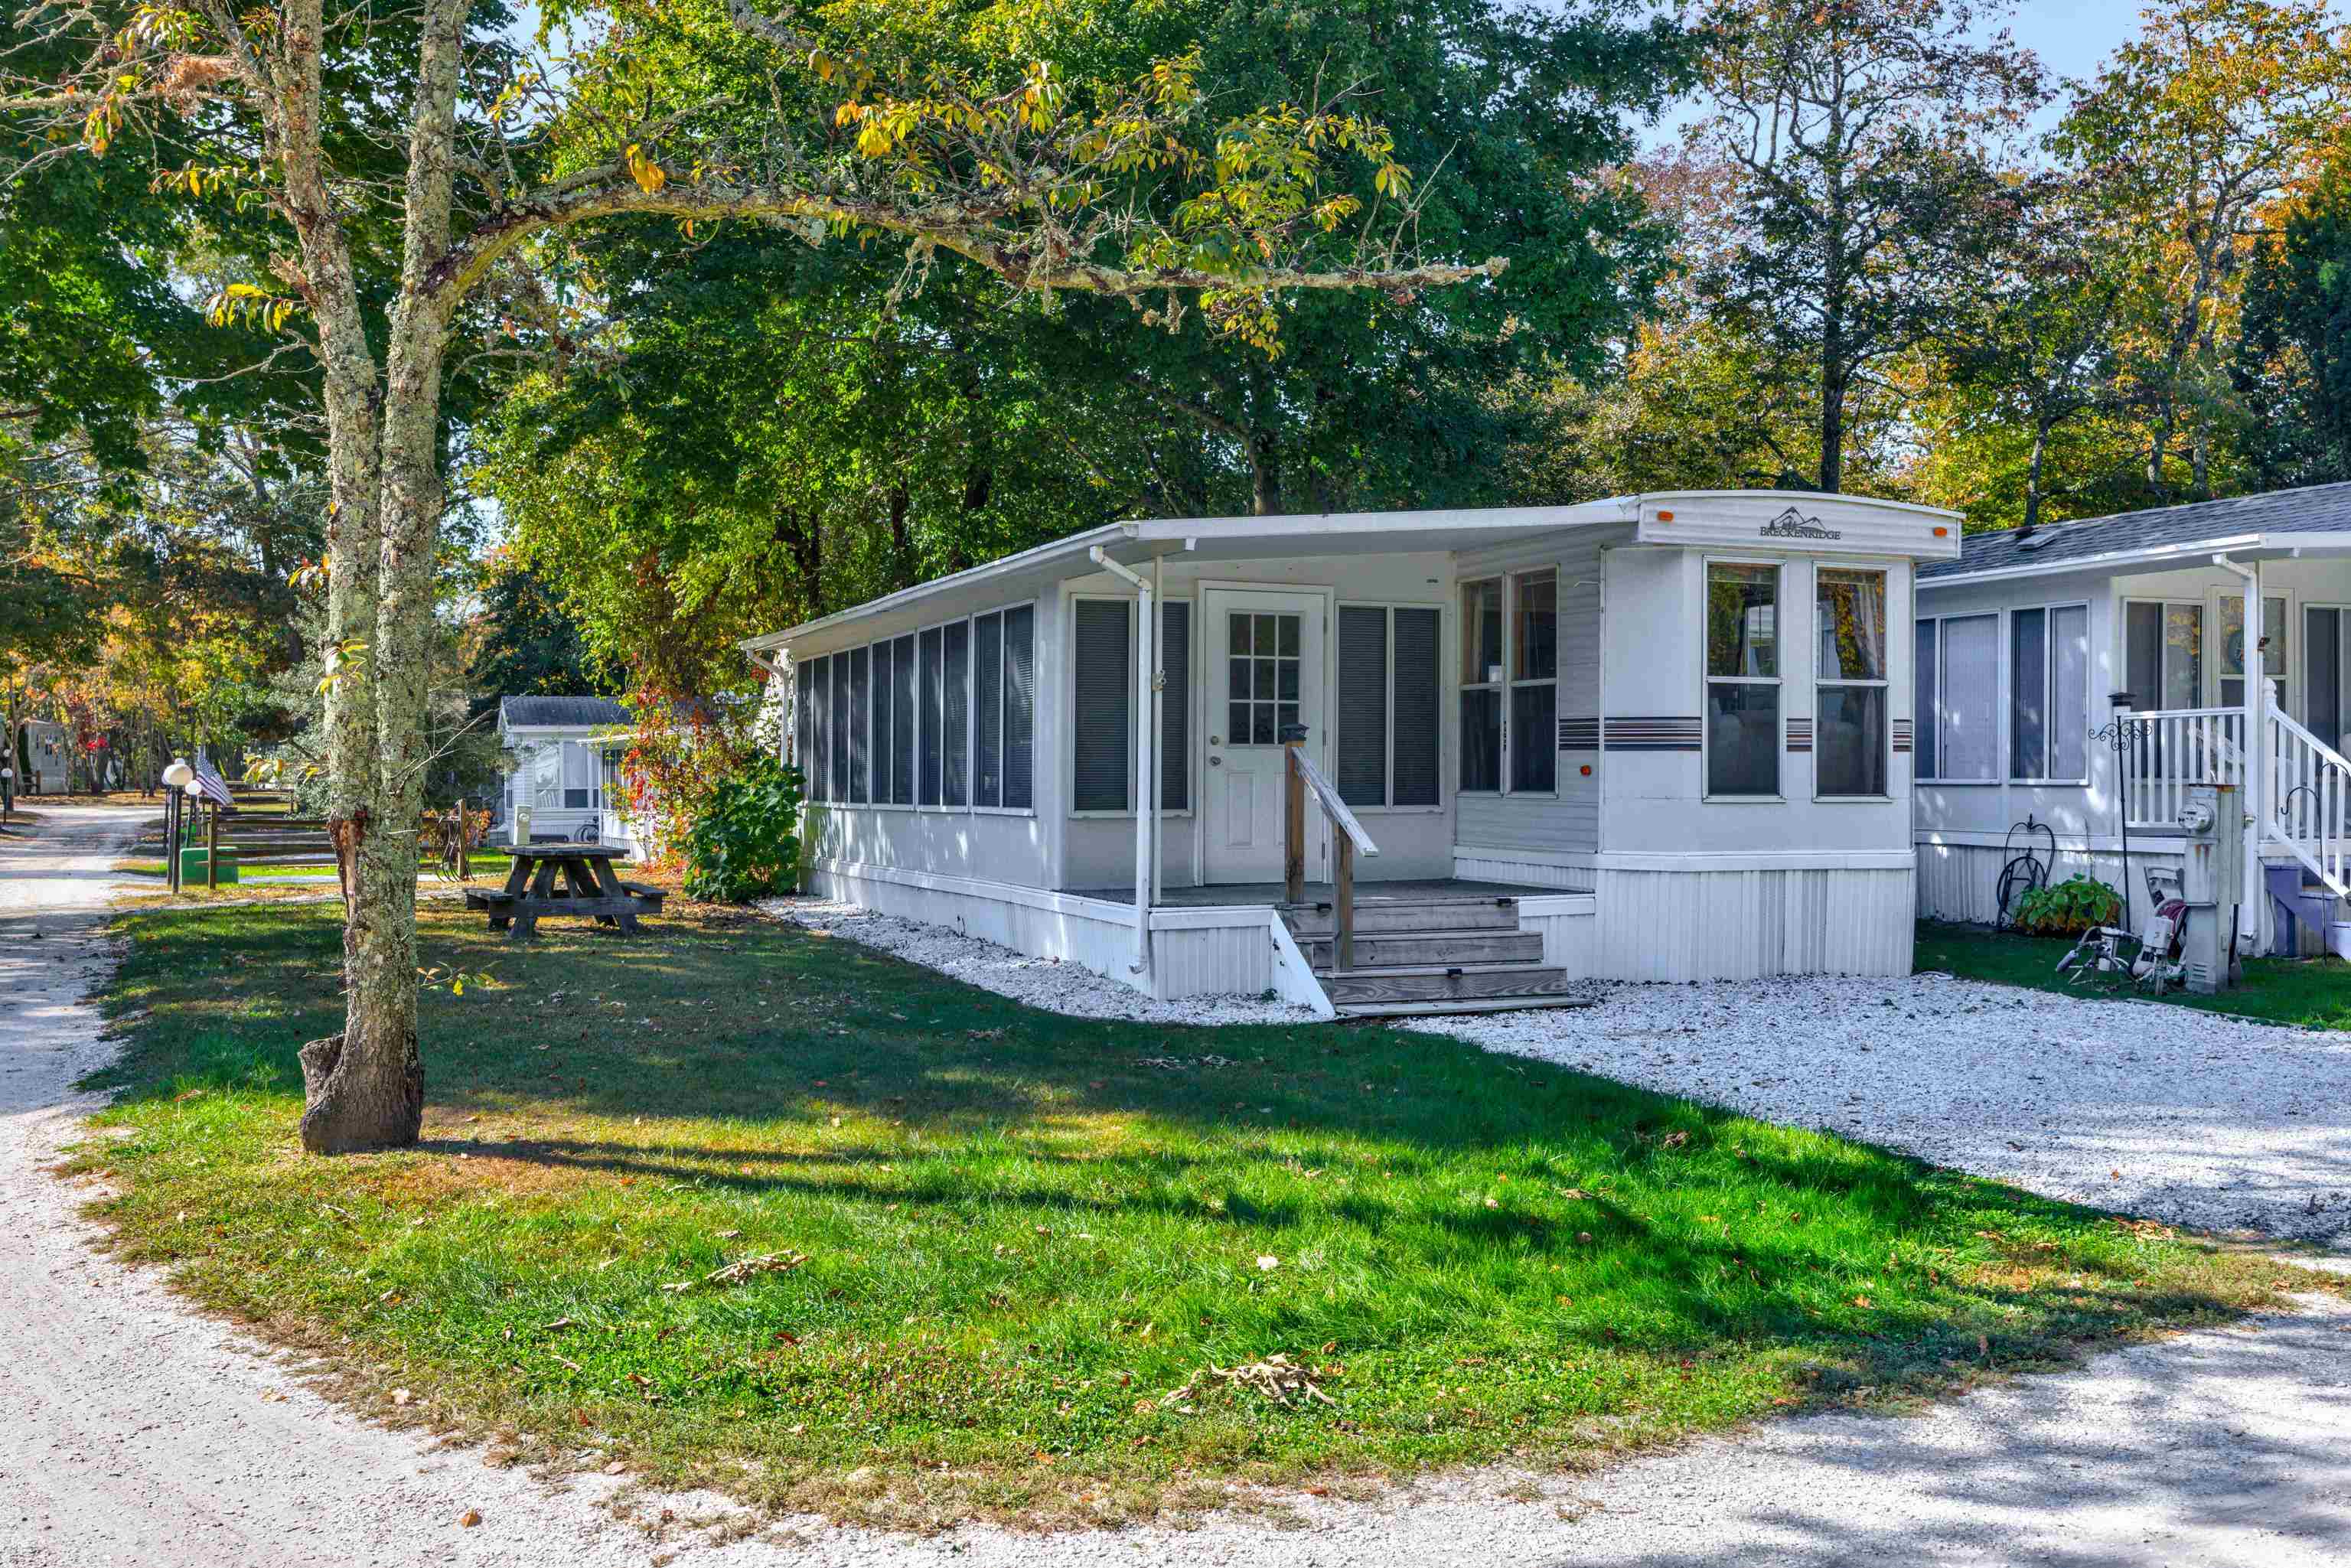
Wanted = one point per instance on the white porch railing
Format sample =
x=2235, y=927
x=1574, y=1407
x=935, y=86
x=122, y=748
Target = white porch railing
x=2310, y=799
x=2168, y=751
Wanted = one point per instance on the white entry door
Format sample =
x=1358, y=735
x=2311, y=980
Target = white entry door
x=1264, y=670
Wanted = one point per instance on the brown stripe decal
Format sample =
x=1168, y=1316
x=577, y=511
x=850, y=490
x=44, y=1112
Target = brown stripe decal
x=1579, y=734
x=1901, y=735
x=1651, y=733
x=1799, y=735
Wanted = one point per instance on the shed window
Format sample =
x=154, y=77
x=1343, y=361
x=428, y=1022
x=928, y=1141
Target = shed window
x=1175, y=706
x=2232, y=648
x=1102, y=701
x=860, y=713
x=1004, y=696
x=902, y=721
x=884, y=734
x=1849, y=744
x=1388, y=746
x=2049, y=693
x=956, y=715
x=2163, y=654
x=819, y=763
x=1481, y=685
x=933, y=681
x=1742, y=679
x=1102, y=679
x=1958, y=676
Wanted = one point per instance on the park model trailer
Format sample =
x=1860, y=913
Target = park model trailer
x=1662, y=736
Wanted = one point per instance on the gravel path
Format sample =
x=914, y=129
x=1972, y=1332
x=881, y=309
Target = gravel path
x=2161, y=1110
x=142, y=1432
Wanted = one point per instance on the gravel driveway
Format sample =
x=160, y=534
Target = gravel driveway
x=2156, y=1110
x=142, y=1432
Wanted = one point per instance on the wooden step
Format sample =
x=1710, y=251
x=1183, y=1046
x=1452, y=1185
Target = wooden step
x=1461, y=982
x=1447, y=1009
x=1375, y=915
x=1421, y=949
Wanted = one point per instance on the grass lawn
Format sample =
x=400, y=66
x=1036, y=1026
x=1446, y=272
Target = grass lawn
x=481, y=863
x=745, y=1206
x=2314, y=993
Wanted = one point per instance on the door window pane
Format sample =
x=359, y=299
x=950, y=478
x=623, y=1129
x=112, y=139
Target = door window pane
x=1742, y=738
x=2183, y=656
x=1261, y=676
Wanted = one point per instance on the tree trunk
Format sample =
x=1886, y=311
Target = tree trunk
x=2032, y=475
x=364, y=1089
x=1832, y=393
x=1264, y=474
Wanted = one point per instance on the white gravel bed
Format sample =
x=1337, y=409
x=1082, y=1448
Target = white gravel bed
x=1046, y=983
x=2168, y=1111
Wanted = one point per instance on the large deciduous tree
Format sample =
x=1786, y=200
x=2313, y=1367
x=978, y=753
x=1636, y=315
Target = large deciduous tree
x=1864, y=131
x=2191, y=134
x=492, y=159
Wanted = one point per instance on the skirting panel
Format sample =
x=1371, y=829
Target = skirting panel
x=1195, y=960
x=1682, y=926
x=1474, y=867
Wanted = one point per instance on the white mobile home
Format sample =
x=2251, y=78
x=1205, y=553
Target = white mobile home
x=2086, y=674
x=1665, y=737
x=562, y=774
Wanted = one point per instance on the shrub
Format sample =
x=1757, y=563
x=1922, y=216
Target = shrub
x=2068, y=908
x=745, y=842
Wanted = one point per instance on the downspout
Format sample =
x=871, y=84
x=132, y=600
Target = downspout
x=2255, y=671
x=1146, y=817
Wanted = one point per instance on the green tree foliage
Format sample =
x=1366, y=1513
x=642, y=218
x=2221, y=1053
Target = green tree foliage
x=2293, y=362
x=525, y=644
x=1864, y=133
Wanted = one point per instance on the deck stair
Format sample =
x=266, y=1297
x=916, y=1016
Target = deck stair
x=1421, y=955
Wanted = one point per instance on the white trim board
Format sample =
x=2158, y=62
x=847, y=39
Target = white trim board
x=976, y=888
x=1699, y=860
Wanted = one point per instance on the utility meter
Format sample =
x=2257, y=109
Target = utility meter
x=2212, y=880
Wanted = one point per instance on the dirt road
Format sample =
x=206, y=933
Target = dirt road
x=136, y=1431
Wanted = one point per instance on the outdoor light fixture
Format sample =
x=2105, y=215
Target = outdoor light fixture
x=179, y=775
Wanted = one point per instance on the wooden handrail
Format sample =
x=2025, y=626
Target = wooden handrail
x=1348, y=839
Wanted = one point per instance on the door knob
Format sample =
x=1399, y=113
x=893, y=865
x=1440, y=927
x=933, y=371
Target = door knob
x=1216, y=762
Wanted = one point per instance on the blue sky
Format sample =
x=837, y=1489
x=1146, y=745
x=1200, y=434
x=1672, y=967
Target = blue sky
x=2072, y=36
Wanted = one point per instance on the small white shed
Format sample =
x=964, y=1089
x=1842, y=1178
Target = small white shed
x=564, y=768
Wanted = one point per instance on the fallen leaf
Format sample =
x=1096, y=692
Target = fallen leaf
x=401, y=1396
x=470, y=1518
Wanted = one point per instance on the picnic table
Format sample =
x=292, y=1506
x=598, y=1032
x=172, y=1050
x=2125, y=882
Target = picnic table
x=590, y=887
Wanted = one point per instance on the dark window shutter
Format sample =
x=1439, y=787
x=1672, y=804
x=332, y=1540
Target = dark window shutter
x=928, y=785
x=1101, y=726
x=1362, y=747
x=1019, y=705
x=956, y=719
x=987, y=710
x=901, y=722
x=1418, y=745
x=1176, y=706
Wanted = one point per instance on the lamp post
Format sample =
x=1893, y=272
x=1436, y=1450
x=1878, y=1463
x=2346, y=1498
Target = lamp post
x=2123, y=733
x=177, y=777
